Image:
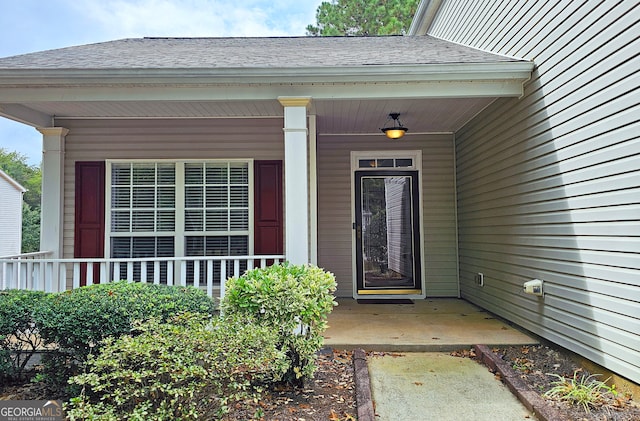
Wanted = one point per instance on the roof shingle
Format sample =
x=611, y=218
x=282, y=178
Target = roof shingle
x=284, y=52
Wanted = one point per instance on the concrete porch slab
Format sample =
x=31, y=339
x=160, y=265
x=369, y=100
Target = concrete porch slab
x=437, y=324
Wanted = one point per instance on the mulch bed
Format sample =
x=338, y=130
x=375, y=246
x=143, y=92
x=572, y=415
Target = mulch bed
x=530, y=371
x=331, y=394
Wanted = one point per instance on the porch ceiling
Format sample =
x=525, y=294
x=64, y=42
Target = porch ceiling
x=333, y=116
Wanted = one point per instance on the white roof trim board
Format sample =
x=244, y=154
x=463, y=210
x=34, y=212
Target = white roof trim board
x=13, y=182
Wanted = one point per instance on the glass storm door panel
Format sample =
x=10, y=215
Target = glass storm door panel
x=387, y=232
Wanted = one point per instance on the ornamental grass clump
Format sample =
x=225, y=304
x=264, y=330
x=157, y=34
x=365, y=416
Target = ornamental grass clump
x=586, y=391
x=295, y=300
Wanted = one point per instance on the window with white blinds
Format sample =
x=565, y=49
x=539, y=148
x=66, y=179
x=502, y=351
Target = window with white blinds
x=149, y=218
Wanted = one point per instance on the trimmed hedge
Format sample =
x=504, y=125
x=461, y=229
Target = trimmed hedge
x=18, y=342
x=77, y=321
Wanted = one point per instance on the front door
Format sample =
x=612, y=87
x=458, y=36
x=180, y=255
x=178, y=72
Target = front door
x=387, y=234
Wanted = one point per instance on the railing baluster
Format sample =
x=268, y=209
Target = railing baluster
x=210, y=278
x=236, y=267
x=76, y=275
x=3, y=276
x=183, y=272
x=196, y=273
x=48, y=274
x=21, y=276
x=129, y=271
x=156, y=272
x=89, y=280
x=223, y=277
x=170, y=266
x=28, y=276
x=103, y=273
x=143, y=272
x=62, y=276
x=116, y=271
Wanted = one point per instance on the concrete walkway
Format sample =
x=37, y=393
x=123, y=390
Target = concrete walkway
x=412, y=378
x=437, y=386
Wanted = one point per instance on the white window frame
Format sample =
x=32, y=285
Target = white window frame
x=180, y=233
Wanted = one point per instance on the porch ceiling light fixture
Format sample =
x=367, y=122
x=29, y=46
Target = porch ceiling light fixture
x=397, y=130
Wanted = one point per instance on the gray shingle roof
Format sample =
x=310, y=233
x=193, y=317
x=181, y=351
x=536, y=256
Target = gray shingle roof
x=285, y=52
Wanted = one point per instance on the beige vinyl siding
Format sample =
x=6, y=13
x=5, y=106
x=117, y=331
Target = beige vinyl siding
x=154, y=139
x=335, y=248
x=548, y=185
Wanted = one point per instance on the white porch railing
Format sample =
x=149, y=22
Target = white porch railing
x=34, y=271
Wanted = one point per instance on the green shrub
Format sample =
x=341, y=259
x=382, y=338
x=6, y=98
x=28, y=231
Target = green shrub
x=18, y=337
x=190, y=368
x=293, y=299
x=78, y=320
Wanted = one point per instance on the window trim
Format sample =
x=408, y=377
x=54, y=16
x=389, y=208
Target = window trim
x=179, y=234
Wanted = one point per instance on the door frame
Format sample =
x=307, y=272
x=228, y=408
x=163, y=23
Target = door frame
x=416, y=156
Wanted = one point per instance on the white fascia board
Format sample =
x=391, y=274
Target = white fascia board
x=405, y=90
x=10, y=78
x=13, y=182
x=420, y=81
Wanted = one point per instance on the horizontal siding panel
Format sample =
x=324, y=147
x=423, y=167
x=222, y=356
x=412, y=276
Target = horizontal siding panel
x=624, y=325
x=515, y=205
x=610, y=333
x=588, y=257
x=556, y=271
x=603, y=214
x=531, y=193
x=627, y=245
x=611, y=147
x=609, y=229
x=549, y=184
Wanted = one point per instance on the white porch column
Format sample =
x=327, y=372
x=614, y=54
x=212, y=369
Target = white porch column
x=52, y=189
x=296, y=179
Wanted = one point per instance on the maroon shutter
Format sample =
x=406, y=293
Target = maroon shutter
x=268, y=219
x=89, y=213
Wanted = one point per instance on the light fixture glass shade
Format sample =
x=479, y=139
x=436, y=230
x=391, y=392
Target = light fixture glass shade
x=397, y=130
x=394, y=132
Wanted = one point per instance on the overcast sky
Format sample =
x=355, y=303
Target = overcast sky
x=28, y=26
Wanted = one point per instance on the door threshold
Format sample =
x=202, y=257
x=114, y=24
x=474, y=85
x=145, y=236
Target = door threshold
x=384, y=301
x=390, y=292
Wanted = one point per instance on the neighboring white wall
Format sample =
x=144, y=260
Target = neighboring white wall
x=549, y=184
x=398, y=197
x=10, y=215
x=91, y=140
x=335, y=246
